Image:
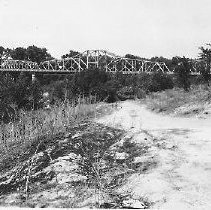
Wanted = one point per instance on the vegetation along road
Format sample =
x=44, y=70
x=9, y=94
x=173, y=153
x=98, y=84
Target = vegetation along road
x=181, y=147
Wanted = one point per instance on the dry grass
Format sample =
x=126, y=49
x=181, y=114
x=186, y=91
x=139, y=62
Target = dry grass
x=179, y=101
x=34, y=125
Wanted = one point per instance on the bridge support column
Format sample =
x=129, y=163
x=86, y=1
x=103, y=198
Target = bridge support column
x=33, y=77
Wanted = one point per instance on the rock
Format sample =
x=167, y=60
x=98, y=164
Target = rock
x=142, y=159
x=38, y=155
x=139, y=159
x=67, y=178
x=102, y=164
x=12, y=198
x=71, y=156
x=64, y=141
x=67, y=135
x=170, y=146
x=134, y=204
x=76, y=135
x=110, y=134
x=121, y=156
x=41, y=205
x=65, y=166
x=117, y=145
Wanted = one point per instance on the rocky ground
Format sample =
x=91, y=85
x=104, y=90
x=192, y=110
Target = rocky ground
x=84, y=168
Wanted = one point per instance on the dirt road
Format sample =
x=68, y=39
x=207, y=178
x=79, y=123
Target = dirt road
x=182, y=147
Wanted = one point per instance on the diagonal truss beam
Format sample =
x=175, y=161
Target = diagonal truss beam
x=102, y=59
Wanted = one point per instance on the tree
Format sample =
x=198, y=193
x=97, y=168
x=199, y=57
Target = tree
x=110, y=88
x=182, y=71
x=72, y=53
x=21, y=91
x=167, y=61
x=58, y=91
x=31, y=53
x=1, y=51
x=7, y=106
x=37, y=54
x=5, y=52
x=19, y=53
x=89, y=81
x=35, y=95
x=205, y=66
x=130, y=56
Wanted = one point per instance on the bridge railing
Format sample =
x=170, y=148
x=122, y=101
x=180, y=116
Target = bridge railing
x=18, y=65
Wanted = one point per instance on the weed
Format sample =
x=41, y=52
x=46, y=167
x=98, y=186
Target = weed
x=32, y=126
x=169, y=101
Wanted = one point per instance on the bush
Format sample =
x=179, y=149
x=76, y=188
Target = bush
x=89, y=82
x=21, y=91
x=160, y=81
x=16, y=95
x=140, y=93
x=182, y=71
x=35, y=96
x=126, y=92
x=57, y=91
x=205, y=73
x=110, y=89
x=7, y=106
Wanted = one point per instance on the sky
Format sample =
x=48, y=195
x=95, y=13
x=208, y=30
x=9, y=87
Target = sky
x=145, y=28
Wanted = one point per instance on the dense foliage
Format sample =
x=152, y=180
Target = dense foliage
x=16, y=95
x=205, y=67
x=182, y=71
x=31, y=53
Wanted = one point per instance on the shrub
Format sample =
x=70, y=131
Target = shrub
x=16, y=95
x=182, y=71
x=34, y=126
x=205, y=73
x=21, y=91
x=7, y=106
x=58, y=91
x=110, y=89
x=35, y=96
x=89, y=82
x=160, y=81
x=143, y=81
x=205, y=56
x=127, y=92
x=140, y=93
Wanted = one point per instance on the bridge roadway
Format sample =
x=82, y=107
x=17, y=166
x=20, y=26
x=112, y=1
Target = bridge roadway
x=91, y=58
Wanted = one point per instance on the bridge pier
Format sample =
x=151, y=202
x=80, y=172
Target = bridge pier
x=33, y=77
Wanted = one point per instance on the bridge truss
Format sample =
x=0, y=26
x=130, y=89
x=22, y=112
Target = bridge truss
x=90, y=59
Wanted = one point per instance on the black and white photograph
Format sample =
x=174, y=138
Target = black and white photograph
x=105, y=104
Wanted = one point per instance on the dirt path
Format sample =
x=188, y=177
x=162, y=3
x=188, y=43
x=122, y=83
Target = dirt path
x=182, y=146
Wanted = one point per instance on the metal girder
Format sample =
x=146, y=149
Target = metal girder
x=102, y=59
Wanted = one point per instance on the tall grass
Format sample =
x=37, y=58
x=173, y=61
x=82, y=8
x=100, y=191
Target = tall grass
x=35, y=125
x=169, y=100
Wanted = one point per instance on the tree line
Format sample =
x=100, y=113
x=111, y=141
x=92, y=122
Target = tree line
x=31, y=53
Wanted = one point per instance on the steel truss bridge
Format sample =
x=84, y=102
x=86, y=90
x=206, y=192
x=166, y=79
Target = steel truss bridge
x=89, y=59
